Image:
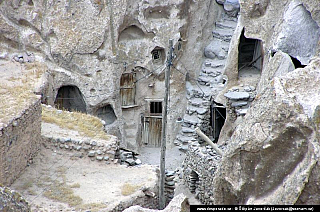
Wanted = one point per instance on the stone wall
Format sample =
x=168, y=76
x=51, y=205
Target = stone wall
x=12, y=201
x=20, y=139
x=90, y=148
x=199, y=168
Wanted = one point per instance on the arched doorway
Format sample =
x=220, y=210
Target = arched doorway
x=70, y=98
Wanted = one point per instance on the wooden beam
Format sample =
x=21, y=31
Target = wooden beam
x=204, y=137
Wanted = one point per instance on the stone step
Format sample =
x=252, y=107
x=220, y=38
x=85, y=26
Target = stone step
x=229, y=18
x=239, y=103
x=183, y=148
x=193, y=120
x=237, y=95
x=198, y=102
x=187, y=130
x=195, y=109
x=184, y=139
x=203, y=92
x=242, y=111
x=204, y=79
x=216, y=49
x=214, y=63
x=211, y=71
x=230, y=24
x=223, y=34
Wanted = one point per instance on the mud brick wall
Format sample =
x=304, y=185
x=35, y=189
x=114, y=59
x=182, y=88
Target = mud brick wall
x=20, y=139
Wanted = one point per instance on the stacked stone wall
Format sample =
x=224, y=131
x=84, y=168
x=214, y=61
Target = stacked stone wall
x=20, y=139
x=199, y=168
x=12, y=201
x=95, y=150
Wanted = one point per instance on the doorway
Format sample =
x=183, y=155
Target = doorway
x=218, y=117
x=70, y=98
x=152, y=124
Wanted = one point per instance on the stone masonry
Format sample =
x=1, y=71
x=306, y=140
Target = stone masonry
x=20, y=139
x=210, y=82
x=12, y=201
x=199, y=168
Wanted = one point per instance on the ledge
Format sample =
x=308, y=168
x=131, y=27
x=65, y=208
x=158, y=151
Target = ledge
x=129, y=106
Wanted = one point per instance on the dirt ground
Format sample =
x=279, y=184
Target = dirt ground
x=151, y=155
x=56, y=181
x=174, y=159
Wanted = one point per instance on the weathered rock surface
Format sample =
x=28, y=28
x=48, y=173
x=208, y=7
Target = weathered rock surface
x=274, y=151
x=300, y=33
x=279, y=65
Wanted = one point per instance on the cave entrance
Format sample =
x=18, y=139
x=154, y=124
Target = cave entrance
x=107, y=114
x=249, y=57
x=70, y=98
x=218, y=117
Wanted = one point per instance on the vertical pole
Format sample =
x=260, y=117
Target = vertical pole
x=162, y=199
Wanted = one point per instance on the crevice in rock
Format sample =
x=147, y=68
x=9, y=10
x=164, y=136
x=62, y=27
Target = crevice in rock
x=296, y=63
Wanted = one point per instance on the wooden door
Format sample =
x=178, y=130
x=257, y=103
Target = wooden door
x=152, y=127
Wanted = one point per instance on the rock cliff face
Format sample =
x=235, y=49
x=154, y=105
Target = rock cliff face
x=90, y=44
x=273, y=152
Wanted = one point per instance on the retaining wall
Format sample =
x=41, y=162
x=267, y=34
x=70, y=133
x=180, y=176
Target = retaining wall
x=20, y=139
x=199, y=169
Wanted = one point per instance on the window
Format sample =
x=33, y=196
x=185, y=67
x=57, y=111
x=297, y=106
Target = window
x=155, y=108
x=156, y=54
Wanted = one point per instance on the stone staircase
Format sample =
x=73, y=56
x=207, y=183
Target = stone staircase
x=209, y=83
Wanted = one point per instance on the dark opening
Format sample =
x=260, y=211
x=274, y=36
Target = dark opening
x=30, y=2
x=107, y=114
x=156, y=108
x=70, y=98
x=218, y=117
x=297, y=63
x=193, y=181
x=250, y=53
x=158, y=55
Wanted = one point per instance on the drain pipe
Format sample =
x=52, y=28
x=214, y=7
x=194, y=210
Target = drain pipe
x=204, y=137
